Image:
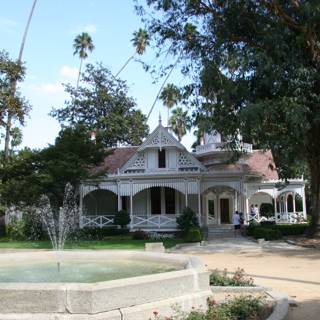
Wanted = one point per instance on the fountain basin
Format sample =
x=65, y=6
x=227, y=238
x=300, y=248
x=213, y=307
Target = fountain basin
x=128, y=298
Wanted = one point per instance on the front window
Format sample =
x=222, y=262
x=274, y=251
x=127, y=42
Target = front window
x=162, y=158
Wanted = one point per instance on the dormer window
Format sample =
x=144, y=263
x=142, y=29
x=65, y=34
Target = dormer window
x=161, y=158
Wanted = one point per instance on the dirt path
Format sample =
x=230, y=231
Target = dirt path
x=295, y=272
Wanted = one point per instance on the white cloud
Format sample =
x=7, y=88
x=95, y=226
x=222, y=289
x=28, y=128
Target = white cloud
x=8, y=23
x=69, y=72
x=48, y=88
x=90, y=28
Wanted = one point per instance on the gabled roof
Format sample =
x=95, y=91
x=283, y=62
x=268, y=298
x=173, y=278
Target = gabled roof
x=159, y=138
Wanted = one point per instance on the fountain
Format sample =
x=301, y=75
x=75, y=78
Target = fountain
x=59, y=226
x=92, y=285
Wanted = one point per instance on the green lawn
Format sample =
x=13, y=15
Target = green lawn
x=114, y=242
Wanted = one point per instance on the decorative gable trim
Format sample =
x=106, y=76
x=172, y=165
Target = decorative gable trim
x=136, y=164
x=159, y=138
x=187, y=162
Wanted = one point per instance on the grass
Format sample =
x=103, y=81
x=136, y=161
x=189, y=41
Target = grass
x=114, y=242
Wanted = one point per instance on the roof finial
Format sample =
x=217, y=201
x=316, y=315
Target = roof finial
x=160, y=121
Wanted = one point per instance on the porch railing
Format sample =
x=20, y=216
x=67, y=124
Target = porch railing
x=157, y=221
x=94, y=221
x=139, y=221
x=282, y=217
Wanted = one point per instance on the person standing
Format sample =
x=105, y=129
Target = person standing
x=236, y=223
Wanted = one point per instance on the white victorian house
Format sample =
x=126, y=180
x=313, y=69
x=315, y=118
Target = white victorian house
x=155, y=181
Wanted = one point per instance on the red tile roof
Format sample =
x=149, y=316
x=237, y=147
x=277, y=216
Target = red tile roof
x=262, y=163
x=117, y=159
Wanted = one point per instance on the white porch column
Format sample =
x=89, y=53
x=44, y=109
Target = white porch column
x=218, y=215
x=205, y=210
x=199, y=203
x=131, y=205
x=235, y=200
x=294, y=201
x=119, y=196
x=80, y=206
x=186, y=192
x=286, y=203
x=247, y=209
x=304, y=206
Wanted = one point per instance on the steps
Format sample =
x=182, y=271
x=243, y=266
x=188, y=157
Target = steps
x=220, y=231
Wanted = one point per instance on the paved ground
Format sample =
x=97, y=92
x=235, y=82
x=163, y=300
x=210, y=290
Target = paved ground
x=286, y=268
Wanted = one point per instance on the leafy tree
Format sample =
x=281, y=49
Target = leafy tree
x=140, y=41
x=82, y=44
x=256, y=66
x=170, y=96
x=103, y=106
x=13, y=107
x=180, y=122
x=11, y=113
x=31, y=173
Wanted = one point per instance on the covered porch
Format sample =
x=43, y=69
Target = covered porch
x=152, y=205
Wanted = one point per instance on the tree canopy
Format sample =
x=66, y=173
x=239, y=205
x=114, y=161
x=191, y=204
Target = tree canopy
x=255, y=66
x=31, y=173
x=101, y=104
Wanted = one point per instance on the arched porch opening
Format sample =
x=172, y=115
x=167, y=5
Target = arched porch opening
x=157, y=208
x=100, y=202
x=219, y=203
x=264, y=202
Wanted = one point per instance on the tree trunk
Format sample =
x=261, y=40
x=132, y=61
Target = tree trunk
x=314, y=167
x=79, y=74
x=125, y=64
x=14, y=85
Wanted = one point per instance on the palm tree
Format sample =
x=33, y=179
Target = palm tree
x=180, y=122
x=170, y=96
x=82, y=44
x=14, y=84
x=140, y=41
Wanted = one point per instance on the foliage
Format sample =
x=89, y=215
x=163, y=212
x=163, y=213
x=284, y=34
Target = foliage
x=238, y=308
x=33, y=227
x=82, y=44
x=102, y=105
x=239, y=279
x=266, y=209
x=11, y=101
x=193, y=235
x=180, y=122
x=187, y=220
x=266, y=233
x=140, y=41
x=122, y=219
x=31, y=173
x=97, y=233
x=16, y=229
x=284, y=229
x=139, y=235
x=255, y=66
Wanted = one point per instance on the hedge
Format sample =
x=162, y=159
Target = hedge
x=282, y=229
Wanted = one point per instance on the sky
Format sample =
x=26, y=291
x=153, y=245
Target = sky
x=49, y=59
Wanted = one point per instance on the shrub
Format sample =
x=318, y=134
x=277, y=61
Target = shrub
x=96, y=233
x=266, y=209
x=139, y=235
x=266, y=233
x=122, y=219
x=239, y=308
x=187, y=220
x=218, y=278
x=15, y=229
x=193, y=235
x=33, y=228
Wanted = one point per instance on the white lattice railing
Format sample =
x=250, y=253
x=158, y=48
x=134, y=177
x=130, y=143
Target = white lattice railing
x=96, y=221
x=220, y=146
x=157, y=221
x=283, y=217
